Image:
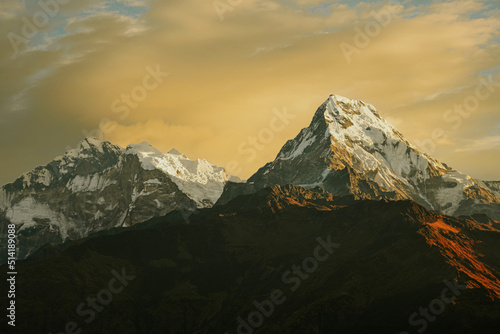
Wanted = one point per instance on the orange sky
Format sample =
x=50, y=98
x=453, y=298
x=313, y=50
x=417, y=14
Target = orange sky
x=230, y=72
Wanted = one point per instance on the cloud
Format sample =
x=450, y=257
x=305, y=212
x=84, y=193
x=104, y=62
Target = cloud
x=133, y=3
x=226, y=77
x=166, y=136
x=482, y=144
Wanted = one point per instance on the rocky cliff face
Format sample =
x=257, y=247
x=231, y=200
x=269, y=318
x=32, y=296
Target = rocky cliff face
x=348, y=149
x=100, y=186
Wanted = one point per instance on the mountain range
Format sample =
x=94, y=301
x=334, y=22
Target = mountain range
x=348, y=150
x=283, y=260
x=351, y=229
x=99, y=186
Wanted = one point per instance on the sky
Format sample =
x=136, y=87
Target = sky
x=231, y=81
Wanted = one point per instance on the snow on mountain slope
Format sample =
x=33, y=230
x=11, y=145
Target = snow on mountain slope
x=99, y=185
x=494, y=186
x=200, y=180
x=348, y=149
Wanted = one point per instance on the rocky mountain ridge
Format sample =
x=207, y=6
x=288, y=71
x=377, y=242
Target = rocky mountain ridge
x=348, y=149
x=99, y=186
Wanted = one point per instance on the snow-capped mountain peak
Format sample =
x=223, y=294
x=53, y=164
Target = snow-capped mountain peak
x=147, y=154
x=176, y=152
x=356, y=121
x=349, y=149
x=374, y=143
x=99, y=185
x=92, y=143
x=199, y=179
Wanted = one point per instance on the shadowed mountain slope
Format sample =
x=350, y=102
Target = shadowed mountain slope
x=333, y=265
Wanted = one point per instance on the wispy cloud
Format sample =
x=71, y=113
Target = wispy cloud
x=426, y=60
x=483, y=144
